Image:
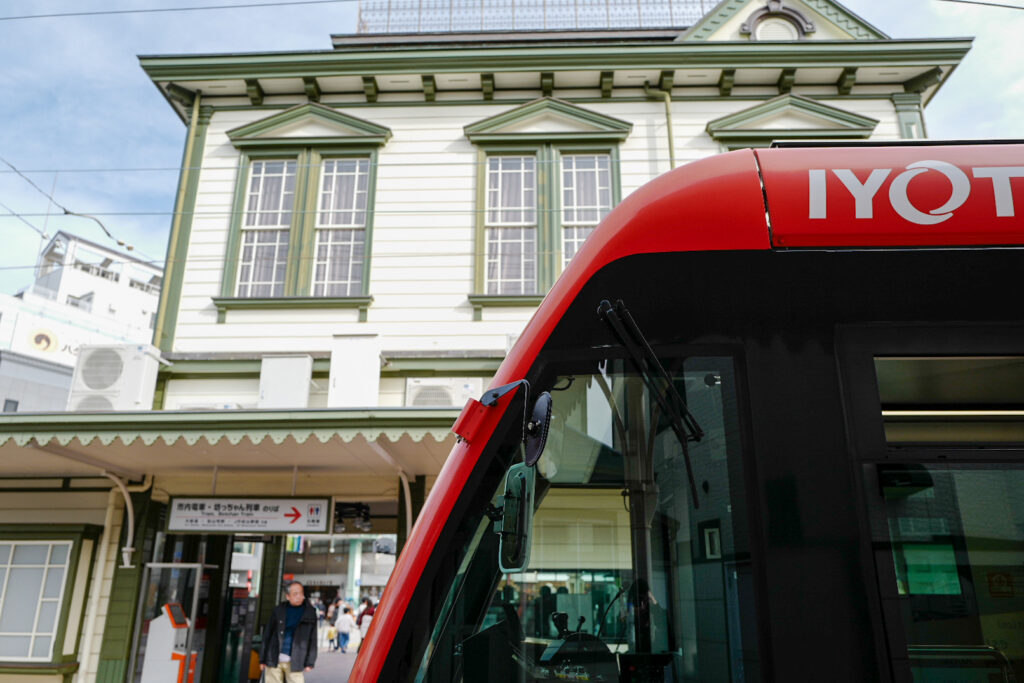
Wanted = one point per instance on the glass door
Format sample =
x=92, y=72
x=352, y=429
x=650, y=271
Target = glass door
x=949, y=547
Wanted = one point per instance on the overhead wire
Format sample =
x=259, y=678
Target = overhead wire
x=986, y=4
x=67, y=211
x=12, y=212
x=151, y=10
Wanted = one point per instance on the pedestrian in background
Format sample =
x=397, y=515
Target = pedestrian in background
x=290, y=638
x=345, y=623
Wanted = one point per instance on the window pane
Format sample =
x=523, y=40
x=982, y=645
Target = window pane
x=5, y=553
x=628, y=568
x=18, y=613
x=512, y=193
x=271, y=193
x=339, y=262
x=30, y=554
x=14, y=646
x=41, y=648
x=954, y=399
x=54, y=582
x=59, y=554
x=264, y=262
x=586, y=198
x=511, y=261
x=343, y=192
x=47, y=616
x=511, y=266
x=955, y=535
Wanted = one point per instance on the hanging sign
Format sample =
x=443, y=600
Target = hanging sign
x=251, y=515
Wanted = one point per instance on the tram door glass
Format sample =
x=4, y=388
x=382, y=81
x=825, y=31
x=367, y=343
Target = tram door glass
x=625, y=572
x=956, y=538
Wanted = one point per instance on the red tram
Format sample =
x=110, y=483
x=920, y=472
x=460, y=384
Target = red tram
x=768, y=425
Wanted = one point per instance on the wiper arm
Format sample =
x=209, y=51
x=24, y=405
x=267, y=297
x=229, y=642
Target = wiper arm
x=683, y=423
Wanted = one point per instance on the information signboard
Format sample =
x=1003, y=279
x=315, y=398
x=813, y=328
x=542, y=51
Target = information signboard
x=251, y=515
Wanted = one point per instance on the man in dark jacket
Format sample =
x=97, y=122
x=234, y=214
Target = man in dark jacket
x=289, y=639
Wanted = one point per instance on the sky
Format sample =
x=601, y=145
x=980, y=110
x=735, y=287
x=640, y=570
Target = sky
x=80, y=118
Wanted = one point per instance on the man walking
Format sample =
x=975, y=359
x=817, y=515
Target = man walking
x=289, y=638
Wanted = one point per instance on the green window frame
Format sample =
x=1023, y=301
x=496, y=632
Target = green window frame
x=549, y=211
x=67, y=590
x=356, y=139
x=298, y=279
x=506, y=134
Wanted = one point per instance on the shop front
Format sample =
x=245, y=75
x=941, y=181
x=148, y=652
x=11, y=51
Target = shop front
x=178, y=531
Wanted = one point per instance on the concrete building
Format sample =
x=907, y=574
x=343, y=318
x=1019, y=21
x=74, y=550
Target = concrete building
x=82, y=293
x=361, y=233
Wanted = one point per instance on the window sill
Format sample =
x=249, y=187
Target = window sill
x=481, y=301
x=224, y=304
x=38, y=668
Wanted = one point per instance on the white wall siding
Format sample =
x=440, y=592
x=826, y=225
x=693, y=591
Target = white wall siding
x=422, y=259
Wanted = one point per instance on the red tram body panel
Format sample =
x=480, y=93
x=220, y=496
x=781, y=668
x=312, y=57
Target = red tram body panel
x=788, y=199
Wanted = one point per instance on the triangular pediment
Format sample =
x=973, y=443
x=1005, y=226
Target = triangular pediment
x=309, y=124
x=545, y=120
x=738, y=20
x=789, y=117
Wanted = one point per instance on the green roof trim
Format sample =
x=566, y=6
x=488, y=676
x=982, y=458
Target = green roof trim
x=835, y=122
x=846, y=20
x=598, y=127
x=261, y=134
x=554, y=57
x=147, y=427
x=712, y=21
x=832, y=11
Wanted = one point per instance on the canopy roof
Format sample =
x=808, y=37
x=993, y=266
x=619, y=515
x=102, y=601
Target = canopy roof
x=377, y=441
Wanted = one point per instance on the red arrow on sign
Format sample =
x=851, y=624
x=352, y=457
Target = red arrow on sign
x=294, y=514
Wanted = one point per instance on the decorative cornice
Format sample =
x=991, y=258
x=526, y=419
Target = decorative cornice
x=312, y=88
x=846, y=20
x=603, y=127
x=712, y=21
x=817, y=53
x=775, y=8
x=259, y=134
x=254, y=91
x=835, y=122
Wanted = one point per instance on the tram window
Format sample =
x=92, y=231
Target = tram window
x=624, y=569
x=930, y=400
x=955, y=536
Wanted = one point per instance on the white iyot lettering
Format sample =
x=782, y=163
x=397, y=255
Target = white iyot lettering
x=863, y=194
x=1000, y=176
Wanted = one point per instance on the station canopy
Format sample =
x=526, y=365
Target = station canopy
x=376, y=442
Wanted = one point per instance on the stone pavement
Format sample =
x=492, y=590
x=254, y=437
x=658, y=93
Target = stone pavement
x=332, y=667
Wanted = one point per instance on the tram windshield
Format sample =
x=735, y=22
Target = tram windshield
x=626, y=570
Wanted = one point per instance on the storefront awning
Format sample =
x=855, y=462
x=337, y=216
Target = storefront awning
x=366, y=441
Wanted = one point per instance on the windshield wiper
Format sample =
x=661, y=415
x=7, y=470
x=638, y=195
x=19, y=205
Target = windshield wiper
x=683, y=423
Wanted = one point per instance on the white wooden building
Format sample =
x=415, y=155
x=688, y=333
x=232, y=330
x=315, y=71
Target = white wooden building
x=362, y=232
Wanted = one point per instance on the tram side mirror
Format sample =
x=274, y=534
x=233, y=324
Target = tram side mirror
x=537, y=429
x=516, y=524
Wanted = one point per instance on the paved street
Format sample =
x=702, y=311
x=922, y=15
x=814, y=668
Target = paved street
x=332, y=667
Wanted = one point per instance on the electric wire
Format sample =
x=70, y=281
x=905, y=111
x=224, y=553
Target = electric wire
x=152, y=10
x=986, y=4
x=67, y=211
x=22, y=219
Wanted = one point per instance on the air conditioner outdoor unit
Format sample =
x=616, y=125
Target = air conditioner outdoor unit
x=442, y=391
x=114, y=377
